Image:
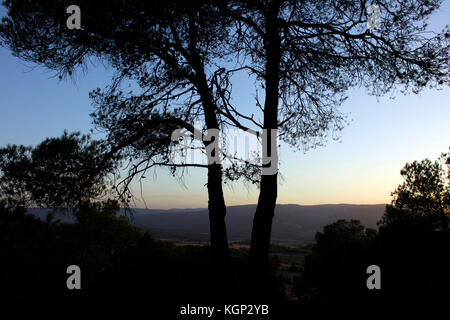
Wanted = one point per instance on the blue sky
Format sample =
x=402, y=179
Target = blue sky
x=363, y=167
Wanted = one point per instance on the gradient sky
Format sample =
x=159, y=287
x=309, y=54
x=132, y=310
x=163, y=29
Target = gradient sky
x=363, y=167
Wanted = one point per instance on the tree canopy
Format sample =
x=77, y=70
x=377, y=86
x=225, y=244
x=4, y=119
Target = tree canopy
x=59, y=172
x=424, y=197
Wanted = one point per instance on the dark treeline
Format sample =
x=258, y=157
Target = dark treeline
x=118, y=260
x=115, y=258
x=411, y=248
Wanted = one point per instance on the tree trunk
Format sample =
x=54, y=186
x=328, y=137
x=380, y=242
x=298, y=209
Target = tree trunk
x=217, y=212
x=216, y=201
x=218, y=233
x=262, y=226
x=265, y=210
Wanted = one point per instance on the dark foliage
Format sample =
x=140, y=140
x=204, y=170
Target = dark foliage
x=423, y=200
x=336, y=269
x=117, y=262
x=411, y=248
x=59, y=172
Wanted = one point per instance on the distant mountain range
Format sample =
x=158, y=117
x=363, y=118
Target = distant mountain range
x=292, y=223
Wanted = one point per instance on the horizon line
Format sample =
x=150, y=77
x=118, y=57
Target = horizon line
x=254, y=204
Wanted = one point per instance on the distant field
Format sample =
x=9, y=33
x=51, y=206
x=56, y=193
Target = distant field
x=286, y=253
x=291, y=254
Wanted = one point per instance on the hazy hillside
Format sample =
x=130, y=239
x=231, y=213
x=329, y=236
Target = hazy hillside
x=291, y=222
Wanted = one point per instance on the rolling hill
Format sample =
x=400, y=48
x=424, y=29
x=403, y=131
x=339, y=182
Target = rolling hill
x=292, y=223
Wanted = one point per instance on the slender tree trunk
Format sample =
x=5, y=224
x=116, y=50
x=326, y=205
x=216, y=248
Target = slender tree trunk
x=265, y=210
x=217, y=210
x=216, y=201
x=262, y=226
